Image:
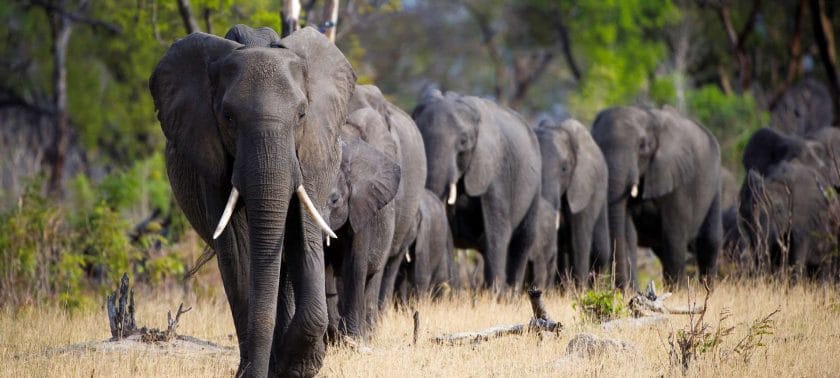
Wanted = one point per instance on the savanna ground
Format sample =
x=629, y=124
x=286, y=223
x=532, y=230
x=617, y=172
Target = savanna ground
x=805, y=338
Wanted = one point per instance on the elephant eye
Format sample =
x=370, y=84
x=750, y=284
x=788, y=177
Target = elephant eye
x=228, y=116
x=301, y=111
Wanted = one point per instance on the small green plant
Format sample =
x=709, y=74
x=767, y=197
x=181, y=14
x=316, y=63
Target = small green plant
x=600, y=306
x=698, y=339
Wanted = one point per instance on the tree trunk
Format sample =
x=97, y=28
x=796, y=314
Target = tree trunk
x=186, y=15
x=330, y=19
x=795, y=49
x=290, y=16
x=61, y=28
x=825, y=42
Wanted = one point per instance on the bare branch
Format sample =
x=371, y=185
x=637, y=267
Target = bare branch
x=186, y=16
x=77, y=17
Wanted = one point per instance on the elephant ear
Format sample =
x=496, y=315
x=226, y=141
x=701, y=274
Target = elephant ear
x=248, y=36
x=484, y=163
x=680, y=145
x=329, y=83
x=182, y=93
x=590, y=169
x=374, y=179
x=369, y=125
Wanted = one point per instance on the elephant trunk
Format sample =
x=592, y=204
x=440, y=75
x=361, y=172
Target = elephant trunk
x=264, y=171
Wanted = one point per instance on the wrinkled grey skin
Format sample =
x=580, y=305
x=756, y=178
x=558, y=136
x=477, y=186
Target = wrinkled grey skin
x=431, y=264
x=492, y=155
x=787, y=210
x=412, y=159
x=819, y=150
x=362, y=213
x=265, y=120
x=542, y=267
x=675, y=164
x=574, y=181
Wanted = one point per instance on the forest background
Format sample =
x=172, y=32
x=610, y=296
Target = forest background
x=83, y=190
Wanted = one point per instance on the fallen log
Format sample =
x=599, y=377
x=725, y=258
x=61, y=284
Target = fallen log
x=650, y=304
x=540, y=322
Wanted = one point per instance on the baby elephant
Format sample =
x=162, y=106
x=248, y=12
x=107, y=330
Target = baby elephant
x=429, y=264
x=575, y=184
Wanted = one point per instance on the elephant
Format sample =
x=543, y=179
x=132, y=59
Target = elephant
x=804, y=108
x=362, y=211
x=429, y=266
x=260, y=123
x=787, y=214
x=410, y=154
x=484, y=160
x=819, y=150
x=663, y=191
x=574, y=181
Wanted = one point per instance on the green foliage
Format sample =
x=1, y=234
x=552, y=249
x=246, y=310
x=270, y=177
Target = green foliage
x=617, y=43
x=31, y=238
x=731, y=118
x=600, y=306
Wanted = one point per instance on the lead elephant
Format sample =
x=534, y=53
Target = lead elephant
x=260, y=123
x=362, y=211
x=574, y=181
x=664, y=189
x=484, y=160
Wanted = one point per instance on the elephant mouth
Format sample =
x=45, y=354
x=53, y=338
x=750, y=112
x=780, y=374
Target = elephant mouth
x=302, y=196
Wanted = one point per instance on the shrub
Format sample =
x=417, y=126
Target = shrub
x=600, y=306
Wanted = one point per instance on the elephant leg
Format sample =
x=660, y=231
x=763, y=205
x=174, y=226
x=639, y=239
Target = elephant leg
x=302, y=347
x=389, y=279
x=331, y=287
x=232, y=256
x=673, y=251
x=631, y=250
x=369, y=249
x=497, y=235
x=522, y=248
x=372, y=290
x=582, y=224
x=601, y=242
x=709, y=242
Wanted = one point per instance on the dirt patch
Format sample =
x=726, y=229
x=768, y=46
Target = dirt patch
x=181, y=346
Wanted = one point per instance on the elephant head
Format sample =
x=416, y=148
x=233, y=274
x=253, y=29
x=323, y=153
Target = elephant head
x=649, y=152
x=768, y=147
x=570, y=155
x=262, y=123
x=369, y=176
x=457, y=144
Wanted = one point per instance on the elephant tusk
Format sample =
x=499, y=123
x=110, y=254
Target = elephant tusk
x=557, y=221
x=328, y=241
x=453, y=194
x=407, y=257
x=634, y=191
x=231, y=204
x=313, y=212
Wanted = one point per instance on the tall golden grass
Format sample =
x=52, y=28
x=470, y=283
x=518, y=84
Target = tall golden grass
x=805, y=339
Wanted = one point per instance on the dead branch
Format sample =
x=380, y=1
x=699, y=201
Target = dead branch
x=121, y=310
x=541, y=322
x=651, y=304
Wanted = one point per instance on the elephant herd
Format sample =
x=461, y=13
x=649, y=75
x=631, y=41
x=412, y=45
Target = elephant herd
x=324, y=201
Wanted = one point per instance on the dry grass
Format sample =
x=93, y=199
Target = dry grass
x=805, y=342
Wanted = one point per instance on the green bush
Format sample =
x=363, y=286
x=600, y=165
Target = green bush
x=600, y=306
